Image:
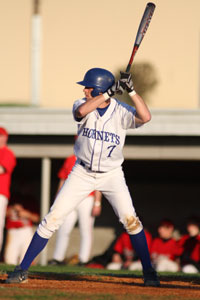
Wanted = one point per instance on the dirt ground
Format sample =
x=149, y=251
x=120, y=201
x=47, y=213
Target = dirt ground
x=111, y=285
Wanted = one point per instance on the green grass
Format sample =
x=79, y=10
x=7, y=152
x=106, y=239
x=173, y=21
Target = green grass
x=69, y=270
x=64, y=272
x=74, y=270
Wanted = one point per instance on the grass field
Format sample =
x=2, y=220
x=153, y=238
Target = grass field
x=78, y=283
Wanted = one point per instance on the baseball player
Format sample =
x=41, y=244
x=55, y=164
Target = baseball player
x=102, y=123
x=7, y=165
x=164, y=249
x=190, y=247
x=124, y=256
x=85, y=213
x=19, y=224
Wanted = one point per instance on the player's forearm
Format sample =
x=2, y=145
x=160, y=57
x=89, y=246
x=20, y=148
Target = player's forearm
x=96, y=210
x=143, y=114
x=61, y=182
x=98, y=197
x=29, y=215
x=90, y=105
x=35, y=218
x=2, y=170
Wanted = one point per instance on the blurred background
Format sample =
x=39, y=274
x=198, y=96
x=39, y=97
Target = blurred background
x=48, y=45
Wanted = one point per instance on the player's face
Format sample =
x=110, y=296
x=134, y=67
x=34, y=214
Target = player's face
x=165, y=232
x=87, y=91
x=192, y=229
x=3, y=140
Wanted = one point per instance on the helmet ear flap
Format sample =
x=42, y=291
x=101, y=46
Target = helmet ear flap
x=96, y=91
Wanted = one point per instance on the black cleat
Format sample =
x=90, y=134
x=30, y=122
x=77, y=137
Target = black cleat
x=151, y=278
x=17, y=276
x=54, y=262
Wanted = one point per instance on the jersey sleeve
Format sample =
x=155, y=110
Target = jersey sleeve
x=67, y=167
x=77, y=103
x=8, y=161
x=127, y=116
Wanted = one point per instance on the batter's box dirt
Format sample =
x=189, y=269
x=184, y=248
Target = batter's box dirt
x=91, y=285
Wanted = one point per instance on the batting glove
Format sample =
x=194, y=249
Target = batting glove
x=116, y=88
x=126, y=78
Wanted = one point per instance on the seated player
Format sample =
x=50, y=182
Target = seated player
x=164, y=249
x=124, y=256
x=20, y=218
x=190, y=247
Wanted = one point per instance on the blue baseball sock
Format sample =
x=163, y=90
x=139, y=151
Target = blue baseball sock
x=36, y=246
x=139, y=243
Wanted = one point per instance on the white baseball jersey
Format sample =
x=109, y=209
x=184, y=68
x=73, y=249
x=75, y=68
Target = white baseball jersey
x=101, y=138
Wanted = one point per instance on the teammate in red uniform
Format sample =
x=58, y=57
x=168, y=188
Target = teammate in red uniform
x=164, y=249
x=85, y=214
x=124, y=256
x=190, y=247
x=7, y=164
x=19, y=224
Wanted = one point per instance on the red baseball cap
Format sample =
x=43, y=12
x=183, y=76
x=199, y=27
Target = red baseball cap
x=166, y=223
x=3, y=131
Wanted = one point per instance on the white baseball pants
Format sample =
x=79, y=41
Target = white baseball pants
x=3, y=207
x=17, y=242
x=80, y=183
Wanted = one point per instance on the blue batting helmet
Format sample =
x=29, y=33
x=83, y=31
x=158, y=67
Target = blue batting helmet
x=98, y=79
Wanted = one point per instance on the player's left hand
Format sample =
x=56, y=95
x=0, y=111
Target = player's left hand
x=117, y=87
x=96, y=211
x=127, y=80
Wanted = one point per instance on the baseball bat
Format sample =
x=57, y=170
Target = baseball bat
x=144, y=23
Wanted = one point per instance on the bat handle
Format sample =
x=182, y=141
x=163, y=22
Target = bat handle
x=128, y=68
x=119, y=93
x=135, y=48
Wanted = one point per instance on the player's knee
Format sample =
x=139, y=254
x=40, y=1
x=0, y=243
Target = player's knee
x=132, y=224
x=49, y=225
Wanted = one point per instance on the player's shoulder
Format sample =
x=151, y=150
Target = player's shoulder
x=183, y=238
x=124, y=106
x=172, y=241
x=79, y=101
x=8, y=151
x=76, y=104
x=157, y=240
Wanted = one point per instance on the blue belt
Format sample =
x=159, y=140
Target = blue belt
x=88, y=168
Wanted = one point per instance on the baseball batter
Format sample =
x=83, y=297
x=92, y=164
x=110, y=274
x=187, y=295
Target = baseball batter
x=102, y=122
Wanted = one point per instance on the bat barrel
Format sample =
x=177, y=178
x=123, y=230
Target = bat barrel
x=146, y=18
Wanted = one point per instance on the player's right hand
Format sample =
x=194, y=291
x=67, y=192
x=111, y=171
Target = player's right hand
x=117, y=88
x=126, y=78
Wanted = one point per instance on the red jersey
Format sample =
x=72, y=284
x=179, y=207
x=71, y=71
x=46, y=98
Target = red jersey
x=67, y=167
x=14, y=221
x=124, y=242
x=8, y=161
x=168, y=247
x=190, y=246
